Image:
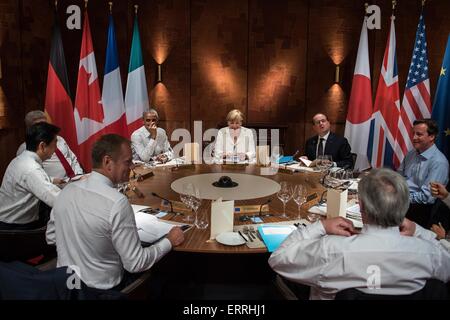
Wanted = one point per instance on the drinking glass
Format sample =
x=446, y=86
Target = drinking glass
x=276, y=154
x=201, y=218
x=299, y=197
x=324, y=162
x=285, y=194
x=196, y=202
x=186, y=198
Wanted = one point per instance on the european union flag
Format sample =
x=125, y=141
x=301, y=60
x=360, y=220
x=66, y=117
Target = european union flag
x=441, y=105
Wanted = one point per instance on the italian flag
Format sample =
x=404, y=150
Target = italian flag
x=136, y=96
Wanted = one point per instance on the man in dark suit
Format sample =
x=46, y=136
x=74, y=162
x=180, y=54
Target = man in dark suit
x=328, y=143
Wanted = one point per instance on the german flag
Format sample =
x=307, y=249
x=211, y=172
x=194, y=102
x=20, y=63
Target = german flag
x=58, y=102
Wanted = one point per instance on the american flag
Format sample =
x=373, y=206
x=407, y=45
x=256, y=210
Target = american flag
x=416, y=103
x=386, y=110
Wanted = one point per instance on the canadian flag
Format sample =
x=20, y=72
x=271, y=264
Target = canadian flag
x=92, y=117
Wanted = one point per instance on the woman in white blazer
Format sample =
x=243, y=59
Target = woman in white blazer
x=235, y=141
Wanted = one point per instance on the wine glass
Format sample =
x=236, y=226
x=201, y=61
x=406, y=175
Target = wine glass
x=299, y=197
x=324, y=162
x=201, y=218
x=276, y=155
x=186, y=198
x=196, y=202
x=285, y=194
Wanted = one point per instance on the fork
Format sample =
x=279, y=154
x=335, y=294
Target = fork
x=248, y=233
x=253, y=232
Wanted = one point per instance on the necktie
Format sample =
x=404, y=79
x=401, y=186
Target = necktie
x=65, y=163
x=320, y=148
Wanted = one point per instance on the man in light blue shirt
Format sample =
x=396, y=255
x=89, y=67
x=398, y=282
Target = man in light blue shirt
x=425, y=163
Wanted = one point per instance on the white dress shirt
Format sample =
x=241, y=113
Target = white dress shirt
x=225, y=144
x=24, y=184
x=331, y=263
x=144, y=147
x=94, y=229
x=53, y=166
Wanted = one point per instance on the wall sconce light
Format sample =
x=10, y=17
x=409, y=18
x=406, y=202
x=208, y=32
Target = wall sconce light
x=337, y=73
x=158, y=73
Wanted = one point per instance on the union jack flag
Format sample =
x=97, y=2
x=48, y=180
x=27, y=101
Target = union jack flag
x=416, y=103
x=386, y=110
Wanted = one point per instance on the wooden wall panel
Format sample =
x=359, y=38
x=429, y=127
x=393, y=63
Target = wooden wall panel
x=277, y=65
x=275, y=60
x=166, y=33
x=334, y=29
x=12, y=80
x=219, y=44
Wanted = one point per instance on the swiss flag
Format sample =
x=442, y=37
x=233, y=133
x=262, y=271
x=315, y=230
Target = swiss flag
x=88, y=113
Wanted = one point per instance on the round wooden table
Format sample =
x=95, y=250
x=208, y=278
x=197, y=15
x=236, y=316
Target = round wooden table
x=197, y=240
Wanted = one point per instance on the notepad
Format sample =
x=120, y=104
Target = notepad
x=274, y=235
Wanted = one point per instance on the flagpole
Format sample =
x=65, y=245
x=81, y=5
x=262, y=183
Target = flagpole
x=423, y=3
x=110, y=6
x=136, y=9
x=56, y=4
x=394, y=4
x=86, y=3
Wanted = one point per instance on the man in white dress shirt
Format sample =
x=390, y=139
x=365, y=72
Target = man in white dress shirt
x=93, y=224
x=63, y=164
x=330, y=256
x=150, y=143
x=25, y=182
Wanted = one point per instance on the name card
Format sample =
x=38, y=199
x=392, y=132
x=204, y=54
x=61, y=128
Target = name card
x=262, y=156
x=222, y=217
x=336, y=203
x=192, y=153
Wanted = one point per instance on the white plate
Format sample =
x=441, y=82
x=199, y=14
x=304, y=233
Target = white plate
x=230, y=239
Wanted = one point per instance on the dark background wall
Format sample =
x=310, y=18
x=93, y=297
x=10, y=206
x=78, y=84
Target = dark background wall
x=273, y=59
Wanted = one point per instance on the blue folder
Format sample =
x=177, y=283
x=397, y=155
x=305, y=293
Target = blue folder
x=273, y=241
x=285, y=159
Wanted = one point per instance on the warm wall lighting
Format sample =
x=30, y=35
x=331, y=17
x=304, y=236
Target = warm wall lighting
x=337, y=73
x=158, y=73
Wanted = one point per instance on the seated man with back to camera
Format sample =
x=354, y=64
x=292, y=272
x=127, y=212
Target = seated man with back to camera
x=93, y=224
x=25, y=182
x=331, y=256
x=63, y=164
x=328, y=143
x=235, y=142
x=150, y=142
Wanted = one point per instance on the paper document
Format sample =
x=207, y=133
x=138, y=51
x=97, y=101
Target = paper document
x=298, y=167
x=150, y=229
x=306, y=162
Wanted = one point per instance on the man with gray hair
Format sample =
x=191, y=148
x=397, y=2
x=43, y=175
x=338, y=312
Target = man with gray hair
x=149, y=142
x=330, y=255
x=63, y=164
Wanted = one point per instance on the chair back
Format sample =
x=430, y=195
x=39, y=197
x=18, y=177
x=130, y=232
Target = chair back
x=24, y=244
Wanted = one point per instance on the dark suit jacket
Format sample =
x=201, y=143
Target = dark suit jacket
x=337, y=146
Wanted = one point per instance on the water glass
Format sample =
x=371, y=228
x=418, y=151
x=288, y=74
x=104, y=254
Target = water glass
x=201, y=218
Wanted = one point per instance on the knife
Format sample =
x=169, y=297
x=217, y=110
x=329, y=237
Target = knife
x=240, y=233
